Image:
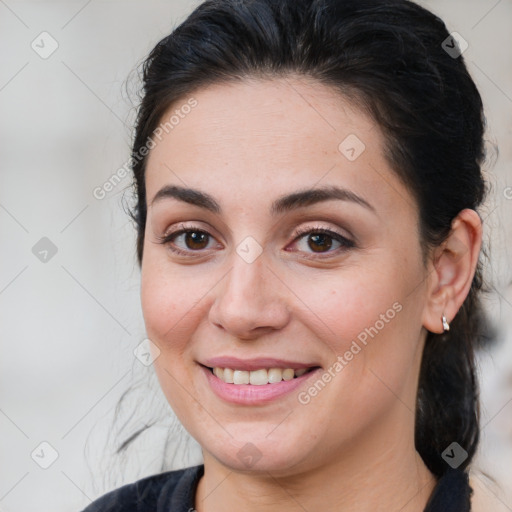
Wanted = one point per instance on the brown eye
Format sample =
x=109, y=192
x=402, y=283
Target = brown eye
x=186, y=241
x=195, y=239
x=320, y=240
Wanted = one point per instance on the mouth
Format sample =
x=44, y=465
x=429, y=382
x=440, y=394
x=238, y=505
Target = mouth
x=258, y=377
x=256, y=387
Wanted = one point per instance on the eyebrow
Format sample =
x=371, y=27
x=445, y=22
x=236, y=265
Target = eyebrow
x=298, y=199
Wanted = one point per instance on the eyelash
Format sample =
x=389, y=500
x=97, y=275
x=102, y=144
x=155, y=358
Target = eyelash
x=300, y=233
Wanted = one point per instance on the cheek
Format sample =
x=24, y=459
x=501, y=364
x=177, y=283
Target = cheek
x=370, y=316
x=171, y=309
x=343, y=305
x=168, y=304
x=175, y=300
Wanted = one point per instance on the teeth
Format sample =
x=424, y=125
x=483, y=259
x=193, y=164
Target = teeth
x=228, y=376
x=257, y=377
x=275, y=375
x=288, y=374
x=239, y=376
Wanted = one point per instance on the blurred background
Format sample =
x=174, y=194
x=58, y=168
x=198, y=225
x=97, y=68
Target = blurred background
x=72, y=333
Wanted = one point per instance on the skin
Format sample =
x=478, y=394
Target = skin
x=246, y=144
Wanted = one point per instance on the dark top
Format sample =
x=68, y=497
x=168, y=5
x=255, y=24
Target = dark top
x=174, y=491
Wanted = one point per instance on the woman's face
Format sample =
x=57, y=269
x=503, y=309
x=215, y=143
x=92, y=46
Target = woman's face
x=346, y=300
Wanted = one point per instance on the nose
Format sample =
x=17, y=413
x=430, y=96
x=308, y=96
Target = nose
x=250, y=301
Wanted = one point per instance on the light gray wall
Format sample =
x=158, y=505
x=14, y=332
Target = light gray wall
x=69, y=324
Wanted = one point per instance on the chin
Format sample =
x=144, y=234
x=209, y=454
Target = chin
x=256, y=454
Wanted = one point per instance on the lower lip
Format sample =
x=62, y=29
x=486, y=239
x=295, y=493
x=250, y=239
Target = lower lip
x=250, y=394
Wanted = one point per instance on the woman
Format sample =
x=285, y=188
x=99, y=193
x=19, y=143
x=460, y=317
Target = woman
x=308, y=175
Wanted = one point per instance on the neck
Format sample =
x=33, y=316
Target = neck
x=383, y=473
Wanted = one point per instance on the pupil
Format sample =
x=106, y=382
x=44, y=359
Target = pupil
x=195, y=238
x=322, y=237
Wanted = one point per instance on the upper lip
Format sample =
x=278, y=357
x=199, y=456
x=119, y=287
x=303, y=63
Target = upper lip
x=253, y=364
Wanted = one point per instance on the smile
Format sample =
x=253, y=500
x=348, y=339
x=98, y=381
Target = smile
x=257, y=377
x=255, y=387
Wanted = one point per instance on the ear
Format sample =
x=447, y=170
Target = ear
x=451, y=270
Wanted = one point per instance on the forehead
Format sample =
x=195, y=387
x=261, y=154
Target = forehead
x=275, y=112
x=250, y=139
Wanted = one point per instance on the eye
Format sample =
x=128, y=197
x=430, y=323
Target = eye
x=194, y=239
x=321, y=240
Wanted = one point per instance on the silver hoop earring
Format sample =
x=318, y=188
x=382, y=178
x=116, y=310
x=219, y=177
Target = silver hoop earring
x=446, y=325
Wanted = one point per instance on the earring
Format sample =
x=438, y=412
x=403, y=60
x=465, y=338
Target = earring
x=446, y=325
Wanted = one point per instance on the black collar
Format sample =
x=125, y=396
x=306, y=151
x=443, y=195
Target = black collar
x=452, y=492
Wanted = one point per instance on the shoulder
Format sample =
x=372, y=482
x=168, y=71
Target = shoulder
x=149, y=493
